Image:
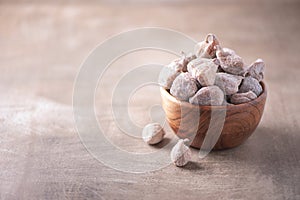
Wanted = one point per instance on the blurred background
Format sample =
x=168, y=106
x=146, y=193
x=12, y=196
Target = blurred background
x=44, y=42
x=48, y=40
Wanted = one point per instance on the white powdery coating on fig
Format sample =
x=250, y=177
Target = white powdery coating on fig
x=204, y=70
x=207, y=48
x=230, y=62
x=211, y=95
x=167, y=75
x=251, y=84
x=239, y=98
x=228, y=83
x=184, y=60
x=180, y=154
x=153, y=133
x=171, y=71
x=256, y=70
x=184, y=86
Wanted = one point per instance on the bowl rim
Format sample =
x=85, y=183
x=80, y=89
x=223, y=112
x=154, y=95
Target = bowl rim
x=171, y=98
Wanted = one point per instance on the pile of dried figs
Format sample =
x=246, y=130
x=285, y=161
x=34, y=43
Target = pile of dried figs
x=213, y=75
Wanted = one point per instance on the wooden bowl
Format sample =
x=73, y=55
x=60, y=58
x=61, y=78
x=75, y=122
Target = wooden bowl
x=192, y=121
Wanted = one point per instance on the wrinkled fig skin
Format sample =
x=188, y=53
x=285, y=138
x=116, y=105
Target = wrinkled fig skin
x=180, y=64
x=196, y=62
x=153, y=133
x=256, y=70
x=177, y=64
x=228, y=83
x=184, y=86
x=213, y=72
x=204, y=70
x=239, y=98
x=207, y=48
x=185, y=60
x=250, y=84
x=230, y=62
x=190, y=57
x=167, y=76
x=211, y=95
x=180, y=154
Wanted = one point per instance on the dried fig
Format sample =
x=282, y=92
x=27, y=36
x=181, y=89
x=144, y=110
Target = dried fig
x=204, y=70
x=184, y=86
x=211, y=95
x=239, y=98
x=167, y=75
x=228, y=83
x=256, y=70
x=250, y=84
x=207, y=48
x=230, y=62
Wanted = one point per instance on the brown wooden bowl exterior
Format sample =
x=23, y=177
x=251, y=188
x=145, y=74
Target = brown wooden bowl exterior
x=240, y=122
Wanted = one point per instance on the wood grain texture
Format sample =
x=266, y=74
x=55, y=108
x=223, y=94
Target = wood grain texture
x=191, y=121
x=42, y=45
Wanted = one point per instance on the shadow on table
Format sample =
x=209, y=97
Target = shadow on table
x=162, y=144
x=193, y=166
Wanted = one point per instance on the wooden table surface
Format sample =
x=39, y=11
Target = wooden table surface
x=43, y=44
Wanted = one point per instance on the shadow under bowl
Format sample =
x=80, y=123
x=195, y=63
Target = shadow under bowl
x=194, y=122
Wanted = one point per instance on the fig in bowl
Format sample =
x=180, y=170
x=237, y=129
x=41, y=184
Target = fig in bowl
x=212, y=92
